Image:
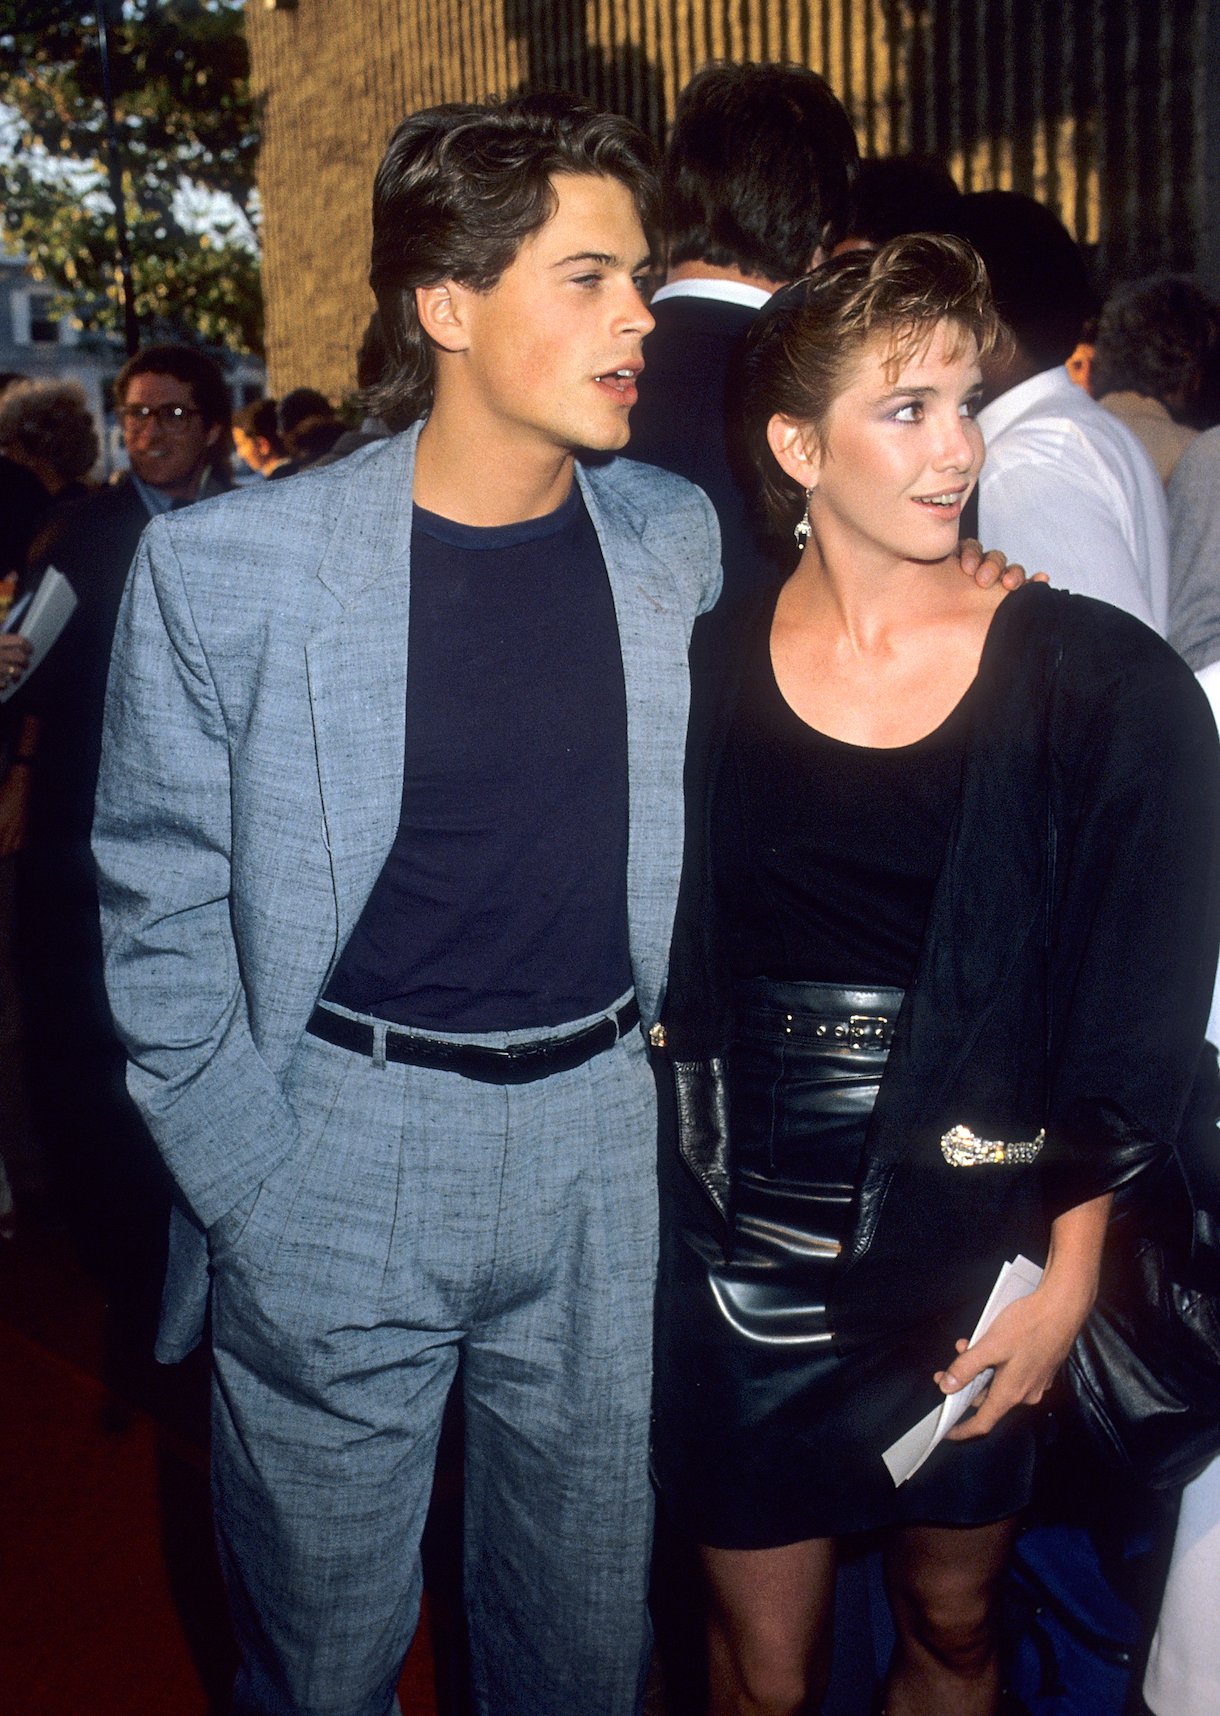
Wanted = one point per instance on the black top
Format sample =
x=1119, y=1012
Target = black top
x=503, y=902
x=829, y=851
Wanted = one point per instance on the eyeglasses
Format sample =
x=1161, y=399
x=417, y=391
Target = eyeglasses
x=168, y=416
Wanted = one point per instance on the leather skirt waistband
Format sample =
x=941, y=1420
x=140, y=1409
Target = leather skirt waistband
x=817, y=1015
x=804, y=1069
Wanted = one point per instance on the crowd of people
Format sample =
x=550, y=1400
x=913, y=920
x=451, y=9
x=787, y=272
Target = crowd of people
x=711, y=787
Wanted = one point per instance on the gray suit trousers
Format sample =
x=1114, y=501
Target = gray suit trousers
x=425, y=1215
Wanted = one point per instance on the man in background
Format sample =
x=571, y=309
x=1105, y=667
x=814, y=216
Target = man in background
x=256, y=440
x=173, y=407
x=1155, y=340
x=757, y=183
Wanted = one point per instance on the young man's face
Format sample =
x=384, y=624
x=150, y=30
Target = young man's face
x=551, y=354
x=168, y=454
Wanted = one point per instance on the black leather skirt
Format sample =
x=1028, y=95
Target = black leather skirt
x=765, y=1434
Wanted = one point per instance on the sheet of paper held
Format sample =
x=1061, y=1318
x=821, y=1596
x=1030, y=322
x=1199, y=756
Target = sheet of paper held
x=909, y=1452
x=52, y=607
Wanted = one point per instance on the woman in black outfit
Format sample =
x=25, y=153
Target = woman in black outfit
x=946, y=847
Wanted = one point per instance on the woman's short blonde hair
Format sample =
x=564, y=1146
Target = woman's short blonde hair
x=805, y=341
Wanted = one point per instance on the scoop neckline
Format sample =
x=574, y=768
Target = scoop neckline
x=849, y=744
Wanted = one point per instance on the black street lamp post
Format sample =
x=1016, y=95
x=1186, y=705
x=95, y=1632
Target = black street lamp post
x=131, y=326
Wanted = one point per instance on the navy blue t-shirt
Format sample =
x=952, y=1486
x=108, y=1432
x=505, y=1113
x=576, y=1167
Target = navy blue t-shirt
x=503, y=902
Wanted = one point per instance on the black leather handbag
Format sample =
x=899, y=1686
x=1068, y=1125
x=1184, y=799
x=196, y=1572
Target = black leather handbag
x=1144, y=1373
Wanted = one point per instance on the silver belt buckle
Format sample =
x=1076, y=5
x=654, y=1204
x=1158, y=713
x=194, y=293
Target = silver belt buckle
x=865, y=1029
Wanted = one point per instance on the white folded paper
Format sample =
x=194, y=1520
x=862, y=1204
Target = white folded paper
x=908, y=1453
x=50, y=610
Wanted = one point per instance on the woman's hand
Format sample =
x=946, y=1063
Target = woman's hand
x=993, y=568
x=15, y=654
x=1030, y=1339
x=1026, y=1344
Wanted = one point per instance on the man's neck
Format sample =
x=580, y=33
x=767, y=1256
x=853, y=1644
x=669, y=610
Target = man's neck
x=467, y=481
x=1001, y=375
x=713, y=271
x=158, y=499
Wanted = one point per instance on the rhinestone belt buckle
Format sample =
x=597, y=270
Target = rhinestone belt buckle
x=963, y=1148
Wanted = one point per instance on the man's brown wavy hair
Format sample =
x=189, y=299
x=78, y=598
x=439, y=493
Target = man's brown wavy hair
x=459, y=190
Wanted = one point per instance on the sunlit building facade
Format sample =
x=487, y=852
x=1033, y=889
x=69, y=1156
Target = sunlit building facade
x=1108, y=110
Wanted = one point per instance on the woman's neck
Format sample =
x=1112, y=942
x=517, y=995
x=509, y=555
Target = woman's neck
x=878, y=653
x=864, y=597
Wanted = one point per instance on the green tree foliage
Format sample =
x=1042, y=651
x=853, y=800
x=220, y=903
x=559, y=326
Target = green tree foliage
x=188, y=132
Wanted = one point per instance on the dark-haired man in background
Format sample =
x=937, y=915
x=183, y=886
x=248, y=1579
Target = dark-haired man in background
x=173, y=408
x=1156, y=341
x=757, y=185
x=387, y=898
x=172, y=403
x=256, y=440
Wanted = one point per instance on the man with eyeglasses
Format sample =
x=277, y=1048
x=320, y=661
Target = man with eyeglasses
x=175, y=423
x=172, y=403
x=173, y=406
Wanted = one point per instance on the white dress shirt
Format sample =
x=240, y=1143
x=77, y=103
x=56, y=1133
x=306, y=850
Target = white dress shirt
x=1068, y=489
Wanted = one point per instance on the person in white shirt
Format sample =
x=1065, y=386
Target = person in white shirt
x=1066, y=486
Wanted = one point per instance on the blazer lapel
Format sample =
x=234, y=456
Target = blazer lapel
x=357, y=668
x=653, y=641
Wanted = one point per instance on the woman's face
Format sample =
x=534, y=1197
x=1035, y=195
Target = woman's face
x=901, y=451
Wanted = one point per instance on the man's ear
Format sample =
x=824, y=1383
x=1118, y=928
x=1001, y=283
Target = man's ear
x=212, y=434
x=796, y=448
x=441, y=311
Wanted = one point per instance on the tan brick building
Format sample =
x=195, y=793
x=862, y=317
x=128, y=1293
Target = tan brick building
x=1109, y=110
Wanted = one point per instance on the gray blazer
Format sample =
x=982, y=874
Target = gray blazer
x=251, y=783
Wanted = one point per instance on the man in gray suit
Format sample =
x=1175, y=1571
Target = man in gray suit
x=388, y=893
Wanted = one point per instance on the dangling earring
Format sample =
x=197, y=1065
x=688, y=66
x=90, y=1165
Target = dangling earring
x=803, y=529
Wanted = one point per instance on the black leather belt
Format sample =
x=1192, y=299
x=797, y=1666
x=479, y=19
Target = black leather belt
x=817, y=1015
x=520, y=1063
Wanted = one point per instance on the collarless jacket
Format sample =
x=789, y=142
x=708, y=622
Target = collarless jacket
x=1064, y=977
x=251, y=784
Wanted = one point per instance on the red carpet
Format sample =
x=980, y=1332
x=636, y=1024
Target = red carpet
x=109, y=1597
